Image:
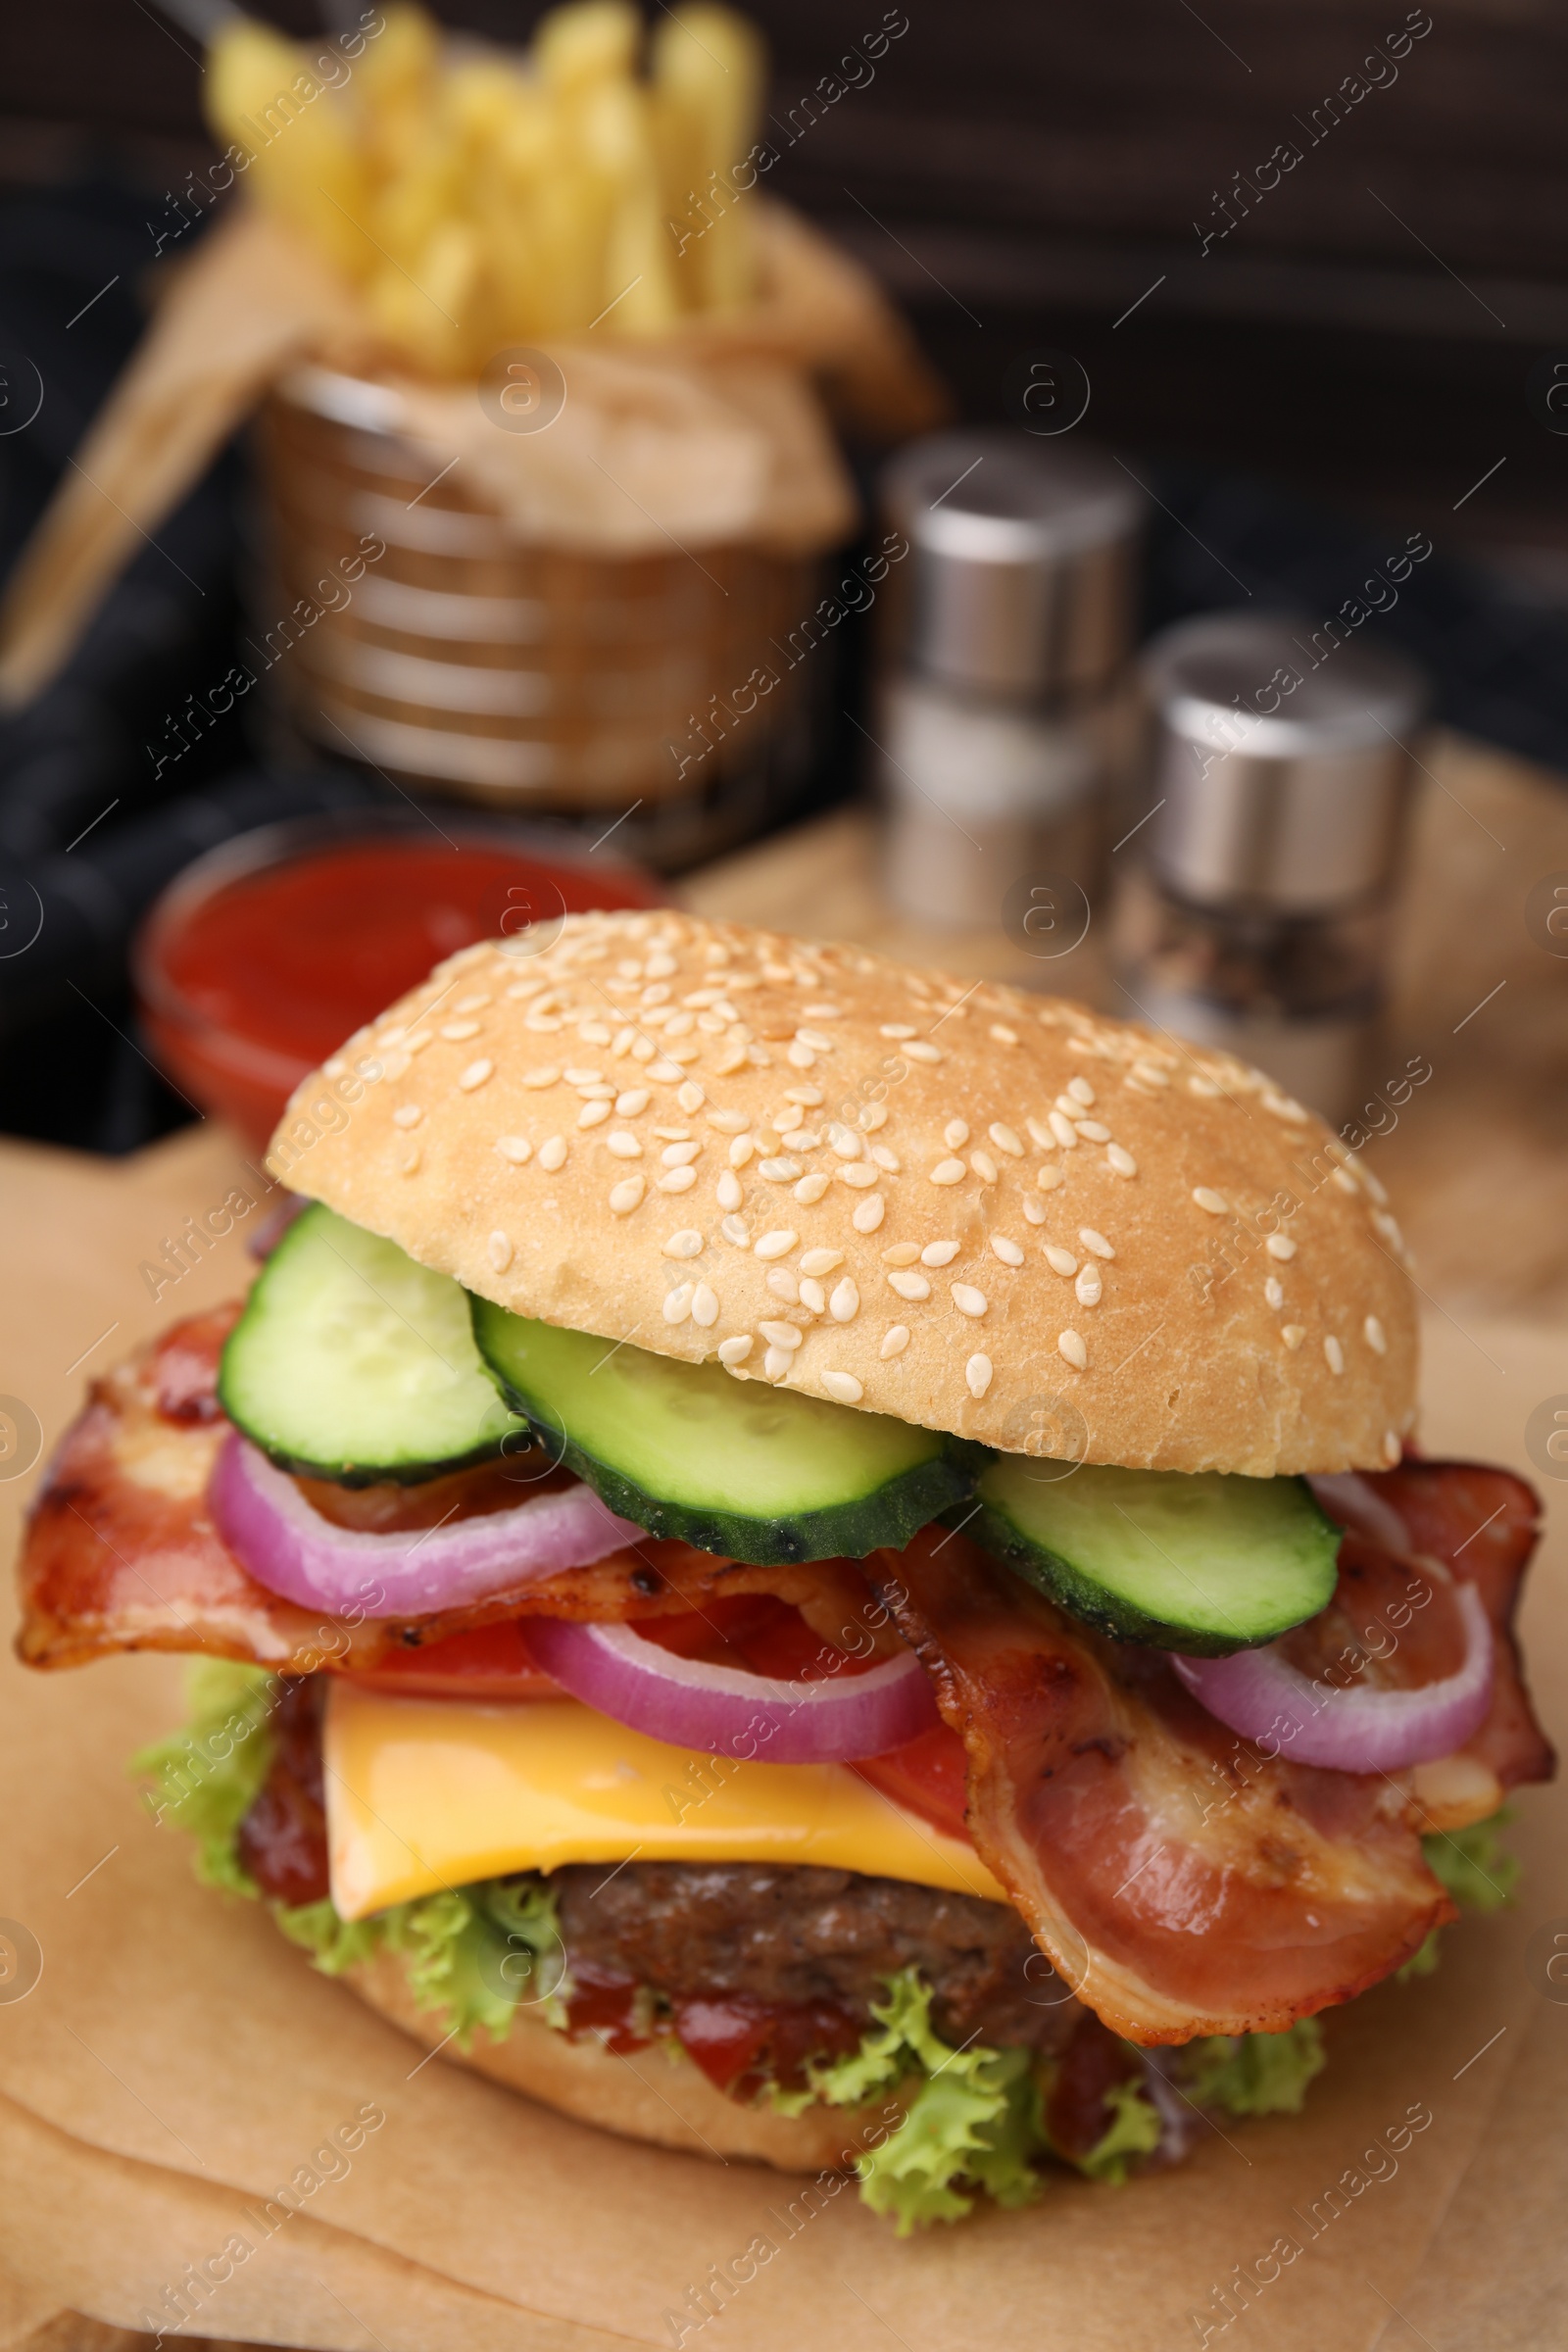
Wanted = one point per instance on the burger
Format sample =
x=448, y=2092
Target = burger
x=807, y=1561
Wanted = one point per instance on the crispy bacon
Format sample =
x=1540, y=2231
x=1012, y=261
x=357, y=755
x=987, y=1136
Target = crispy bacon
x=1180, y=1883
x=1183, y=1880
x=122, y=1554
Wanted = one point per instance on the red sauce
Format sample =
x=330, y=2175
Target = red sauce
x=249, y=984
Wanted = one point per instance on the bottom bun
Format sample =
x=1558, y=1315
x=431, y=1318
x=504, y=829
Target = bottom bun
x=646, y=2095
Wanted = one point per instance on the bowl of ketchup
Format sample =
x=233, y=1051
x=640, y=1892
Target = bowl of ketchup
x=262, y=956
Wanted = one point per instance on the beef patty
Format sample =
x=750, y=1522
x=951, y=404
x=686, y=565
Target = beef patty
x=799, y=1936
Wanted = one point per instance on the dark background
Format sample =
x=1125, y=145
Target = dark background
x=1347, y=366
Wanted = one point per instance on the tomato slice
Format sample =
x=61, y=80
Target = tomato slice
x=490, y=1662
x=928, y=1776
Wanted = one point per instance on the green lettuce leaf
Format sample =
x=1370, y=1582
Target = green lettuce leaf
x=207, y=1776
x=1476, y=1872
x=971, y=2123
x=1134, y=2130
x=1254, y=2074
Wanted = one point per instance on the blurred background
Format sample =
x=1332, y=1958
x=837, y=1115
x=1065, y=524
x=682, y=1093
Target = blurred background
x=1153, y=319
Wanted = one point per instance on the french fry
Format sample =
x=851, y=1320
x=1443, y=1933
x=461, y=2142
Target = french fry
x=708, y=73
x=588, y=41
x=304, y=165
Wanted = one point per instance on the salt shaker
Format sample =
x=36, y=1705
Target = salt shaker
x=1255, y=915
x=1007, y=637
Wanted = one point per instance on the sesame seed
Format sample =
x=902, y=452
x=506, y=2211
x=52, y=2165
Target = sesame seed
x=902, y=1254
x=967, y=1299
x=910, y=1285
x=811, y=1188
x=406, y=1114
x=1151, y=1074
x=1059, y=1261
x=728, y=1122
x=1081, y=1091
x=728, y=1191
x=411, y=1163
x=947, y=1171
x=977, y=1374
x=1034, y=1210
x=1004, y=1140
x=1089, y=1289
x=593, y=1033
x=741, y=1151
x=1375, y=1337
x=1334, y=1354
x=677, y=1180
x=679, y=1154
x=868, y=1213
x=888, y=1161
x=1096, y=1241
x=736, y=1350
x=1092, y=1131
x=1280, y=1245
x=515, y=1148
x=778, y=1361
x=1071, y=1347
x=899, y=1029
x=666, y=1071
x=677, y=1304
x=498, y=1250
x=1008, y=1251
x=1122, y=1161
x=858, y=1174
x=936, y=1254
x=624, y=1196
x=593, y=1114
x=801, y=1139
x=842, y=1387
x=1050, y=1177
x=1274, y=1292
x=1206, y=1197
x=895, y=1339
x=780, y=1171
x=597, y=1094
x=1040, y=1136
x=634, y=1101
x=553, y=1153
x=845, y=1303
x=844, y=1142
x=1202, y=1086
x=984, y=1166
x=688, y=1243
x=1062, y=1128
x=872, y=1116
x=776, y=1244
x=799, y=1057
x=623, y=1144
x=783, y=1284
x=818, y=1262
x=954, y=1135
x=811, y=1295
x=921, y=1052
x=705, y=1305
x=1003, y=1033
x=690, y=1096
x=1346, y=1182
x=583, y=1077
x=1392, y=1447
x=475, y=1075
x=1292, y=1333
x=457, y=1031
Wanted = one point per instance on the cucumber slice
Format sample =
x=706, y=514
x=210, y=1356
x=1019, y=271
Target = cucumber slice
x=752, y=1472
x=1203, y=1564
x=352, y=1362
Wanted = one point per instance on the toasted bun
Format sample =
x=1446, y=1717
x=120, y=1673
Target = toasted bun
x=645, y=2095
x=1156, y=1258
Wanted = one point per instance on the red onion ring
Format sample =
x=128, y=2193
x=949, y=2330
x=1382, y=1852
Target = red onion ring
x=290, y=1548
x=1352, y=1501
x=1261, y=1694
x=724, y=1711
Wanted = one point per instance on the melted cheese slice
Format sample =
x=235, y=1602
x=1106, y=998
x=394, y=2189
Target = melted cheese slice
x=424, y=1792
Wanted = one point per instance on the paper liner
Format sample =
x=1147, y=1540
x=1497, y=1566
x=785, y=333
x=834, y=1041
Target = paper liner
x=177, y=2061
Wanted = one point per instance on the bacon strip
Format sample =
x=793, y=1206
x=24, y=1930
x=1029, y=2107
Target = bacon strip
x=121, y=1552
x=1180, y=1883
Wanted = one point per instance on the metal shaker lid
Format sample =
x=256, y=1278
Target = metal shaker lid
x=1280, y=763
x=1020, y=576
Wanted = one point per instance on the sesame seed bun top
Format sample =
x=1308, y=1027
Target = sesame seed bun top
x=970, y=1207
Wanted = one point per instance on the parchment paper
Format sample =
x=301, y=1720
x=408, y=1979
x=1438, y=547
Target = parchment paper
x=176, y=2061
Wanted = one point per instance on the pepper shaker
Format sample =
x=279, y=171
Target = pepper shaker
x=1256, y=915
x=1007, y=639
